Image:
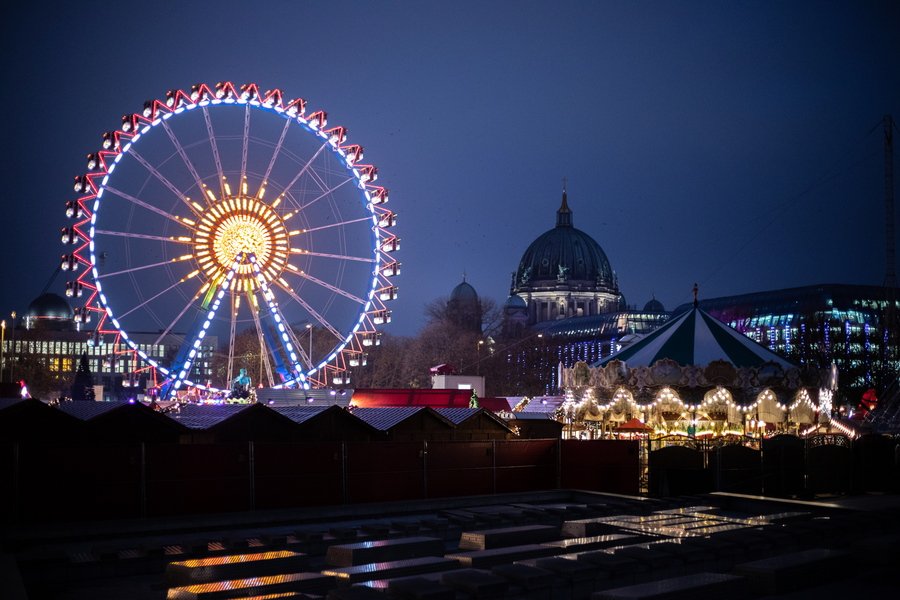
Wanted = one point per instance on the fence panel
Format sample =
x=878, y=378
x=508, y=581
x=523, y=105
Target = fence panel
x=676, y=471
x=385, y=471
x=784, y=466
x=737, y=469
x=198, y=478
x=75, y=482
x=288, y=475
x=829, y=464
x=876, y=460
x=459, y=469
x=526, y=465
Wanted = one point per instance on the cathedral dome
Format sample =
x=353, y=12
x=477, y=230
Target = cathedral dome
x=49, y=306
x=564, y=254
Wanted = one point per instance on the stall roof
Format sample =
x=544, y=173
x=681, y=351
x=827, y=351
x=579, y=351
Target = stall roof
x=458, y=416
x=86, y=411
x=531, y=416
x=123, y=421
x=32, y=420
x=204, y=416
x=385, y=419
x=300, y=414
x=542, y=404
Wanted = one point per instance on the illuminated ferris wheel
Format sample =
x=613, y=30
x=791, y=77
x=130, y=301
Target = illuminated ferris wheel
x=230, y=214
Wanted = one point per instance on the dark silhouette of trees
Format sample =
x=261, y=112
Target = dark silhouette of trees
x=401, y=362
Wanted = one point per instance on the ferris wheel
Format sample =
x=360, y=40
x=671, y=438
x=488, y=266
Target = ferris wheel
x=229, y=219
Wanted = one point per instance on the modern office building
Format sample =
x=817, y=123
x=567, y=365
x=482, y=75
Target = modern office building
x=46, y=344
x=852, y=326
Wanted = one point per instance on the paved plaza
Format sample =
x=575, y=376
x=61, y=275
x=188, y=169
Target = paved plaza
x=559, y=544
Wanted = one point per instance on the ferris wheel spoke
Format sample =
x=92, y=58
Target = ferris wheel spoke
x=169, y=327
x=162, y=178
x=235, y=304
x=339, y=224
x=277, y=151
x=325, y=193
x=215, y=149
x=321, y=320
x=148, y=206
x=143, y=267
x=263, y=347
x=144, y=236
x=306, y=358
x=317, y=179
x=153, y=297
x=181, y=152
x=328, y=286
x=305, y=167
x=335, y=256
x=246, y=142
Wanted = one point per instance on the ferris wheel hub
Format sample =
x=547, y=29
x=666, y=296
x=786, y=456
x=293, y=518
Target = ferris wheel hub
x=241, y=224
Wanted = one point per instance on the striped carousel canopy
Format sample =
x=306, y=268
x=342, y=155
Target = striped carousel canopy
x=696, y=338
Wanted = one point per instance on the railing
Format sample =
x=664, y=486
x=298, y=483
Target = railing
x=886, y=415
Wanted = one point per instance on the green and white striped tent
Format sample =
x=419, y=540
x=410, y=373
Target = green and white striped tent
x=696, y=338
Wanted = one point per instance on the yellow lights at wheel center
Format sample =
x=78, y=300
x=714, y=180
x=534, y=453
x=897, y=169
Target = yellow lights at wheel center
x=240, y=234
x=241, y=224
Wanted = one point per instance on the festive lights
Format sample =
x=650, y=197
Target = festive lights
x=223, y=224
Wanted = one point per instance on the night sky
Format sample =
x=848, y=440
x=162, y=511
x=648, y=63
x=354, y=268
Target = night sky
x=733, y=144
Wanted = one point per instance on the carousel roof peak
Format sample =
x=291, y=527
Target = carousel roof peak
x=696, y=338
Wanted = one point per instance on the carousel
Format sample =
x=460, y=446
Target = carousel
x=696, y=377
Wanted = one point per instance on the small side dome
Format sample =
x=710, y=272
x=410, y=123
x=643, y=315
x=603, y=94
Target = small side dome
x=654, y=306
x=515, y=302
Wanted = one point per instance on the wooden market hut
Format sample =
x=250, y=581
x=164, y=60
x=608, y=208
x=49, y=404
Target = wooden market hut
x=408, y=424
x=473, y=424
x=329, y=424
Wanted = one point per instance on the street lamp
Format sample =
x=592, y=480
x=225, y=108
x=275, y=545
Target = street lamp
x=2, y=347
x=12, y=365
x=478, y=363
x=309, y=327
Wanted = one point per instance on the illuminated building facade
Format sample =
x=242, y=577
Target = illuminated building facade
x=564, y=273
x=852, y=326
x=532, y=365
x=564, y=306
x=46, y=343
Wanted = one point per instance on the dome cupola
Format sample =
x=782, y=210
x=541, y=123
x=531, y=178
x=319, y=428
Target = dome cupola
x=566, y=272
x=49, y=311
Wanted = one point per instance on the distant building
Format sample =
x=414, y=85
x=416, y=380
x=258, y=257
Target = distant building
x=47, y=337
x=464, y=308
x=564, y=306
x=853, y=326
x=564, y=273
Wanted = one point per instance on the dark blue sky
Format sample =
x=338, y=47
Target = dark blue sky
x=731, y=144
